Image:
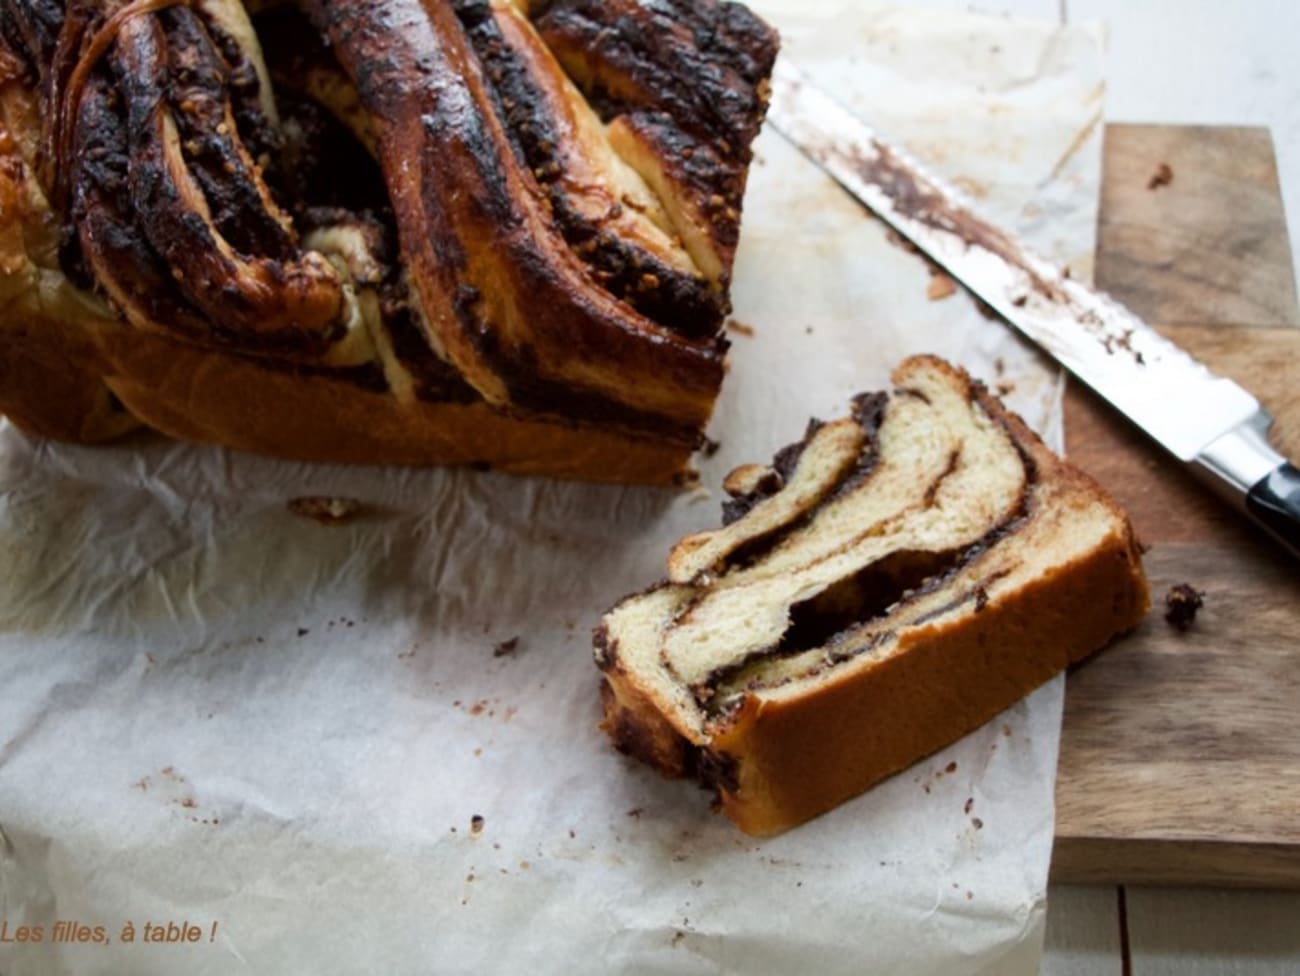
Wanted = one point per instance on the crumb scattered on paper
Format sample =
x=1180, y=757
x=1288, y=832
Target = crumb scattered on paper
x=506, y=647
x=740, y=328
x=941, y=287
x=899, y=241
x=326, y=511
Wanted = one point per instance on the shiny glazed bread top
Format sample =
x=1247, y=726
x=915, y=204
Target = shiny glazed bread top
x=447, y=202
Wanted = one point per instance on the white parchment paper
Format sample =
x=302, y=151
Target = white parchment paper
x=215, y=712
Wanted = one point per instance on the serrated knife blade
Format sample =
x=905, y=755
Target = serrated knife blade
x=1204, y=420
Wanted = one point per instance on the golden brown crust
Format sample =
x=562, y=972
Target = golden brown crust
x=51, y=387
x=188, y=393
x=636, y=728
x=941, y=683
x=796, y=752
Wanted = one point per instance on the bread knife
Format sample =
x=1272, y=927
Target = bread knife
x=1206, y=421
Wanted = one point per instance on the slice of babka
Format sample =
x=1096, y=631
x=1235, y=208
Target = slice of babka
x=469, y=231
x=887, y=585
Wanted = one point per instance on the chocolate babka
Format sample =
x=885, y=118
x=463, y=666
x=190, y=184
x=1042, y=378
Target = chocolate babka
x=410, y=231
x=889, y=584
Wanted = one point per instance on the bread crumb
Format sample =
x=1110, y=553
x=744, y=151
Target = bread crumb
x=1163, y=176
x=476, y=824
x=506, y=647
x=325, y=510
x=941, y=287
x=899, y=241
x=740, y=328
x=1182, y=603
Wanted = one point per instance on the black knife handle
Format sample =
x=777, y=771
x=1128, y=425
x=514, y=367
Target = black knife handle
x=1275, y=503
x=1243, y=466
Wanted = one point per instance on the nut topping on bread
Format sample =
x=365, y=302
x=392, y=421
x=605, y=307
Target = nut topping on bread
x=384, y=230
x=891, y=583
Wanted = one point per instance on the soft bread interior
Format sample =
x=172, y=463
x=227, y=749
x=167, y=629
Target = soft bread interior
x=832, y=450
x=931, y=518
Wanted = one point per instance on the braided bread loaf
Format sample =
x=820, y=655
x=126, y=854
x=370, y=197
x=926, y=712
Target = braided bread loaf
x=407, y=231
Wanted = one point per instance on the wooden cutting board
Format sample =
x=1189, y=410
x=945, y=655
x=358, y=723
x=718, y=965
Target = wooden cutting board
x=1180, y=756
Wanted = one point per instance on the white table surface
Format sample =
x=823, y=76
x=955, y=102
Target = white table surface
x=1181, y=62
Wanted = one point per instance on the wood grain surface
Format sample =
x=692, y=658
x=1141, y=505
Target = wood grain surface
x=1180, y=756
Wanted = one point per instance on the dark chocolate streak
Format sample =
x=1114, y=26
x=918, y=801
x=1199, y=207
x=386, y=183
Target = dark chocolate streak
x=245, y=89
x=567, y=403
x=705, y=64
x=153, y=249
x=103, y=215
x=713, y=770
x=882, y=587
x=783, y=466
x=688, y=78
x=683, y=302
x=259, y=295
x=978, y=596
x=318, y=149
x=199, y=101
x=1024, y=510
x=869, y=412
x=605, y=649
x=31, y=29
x=830, y=617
